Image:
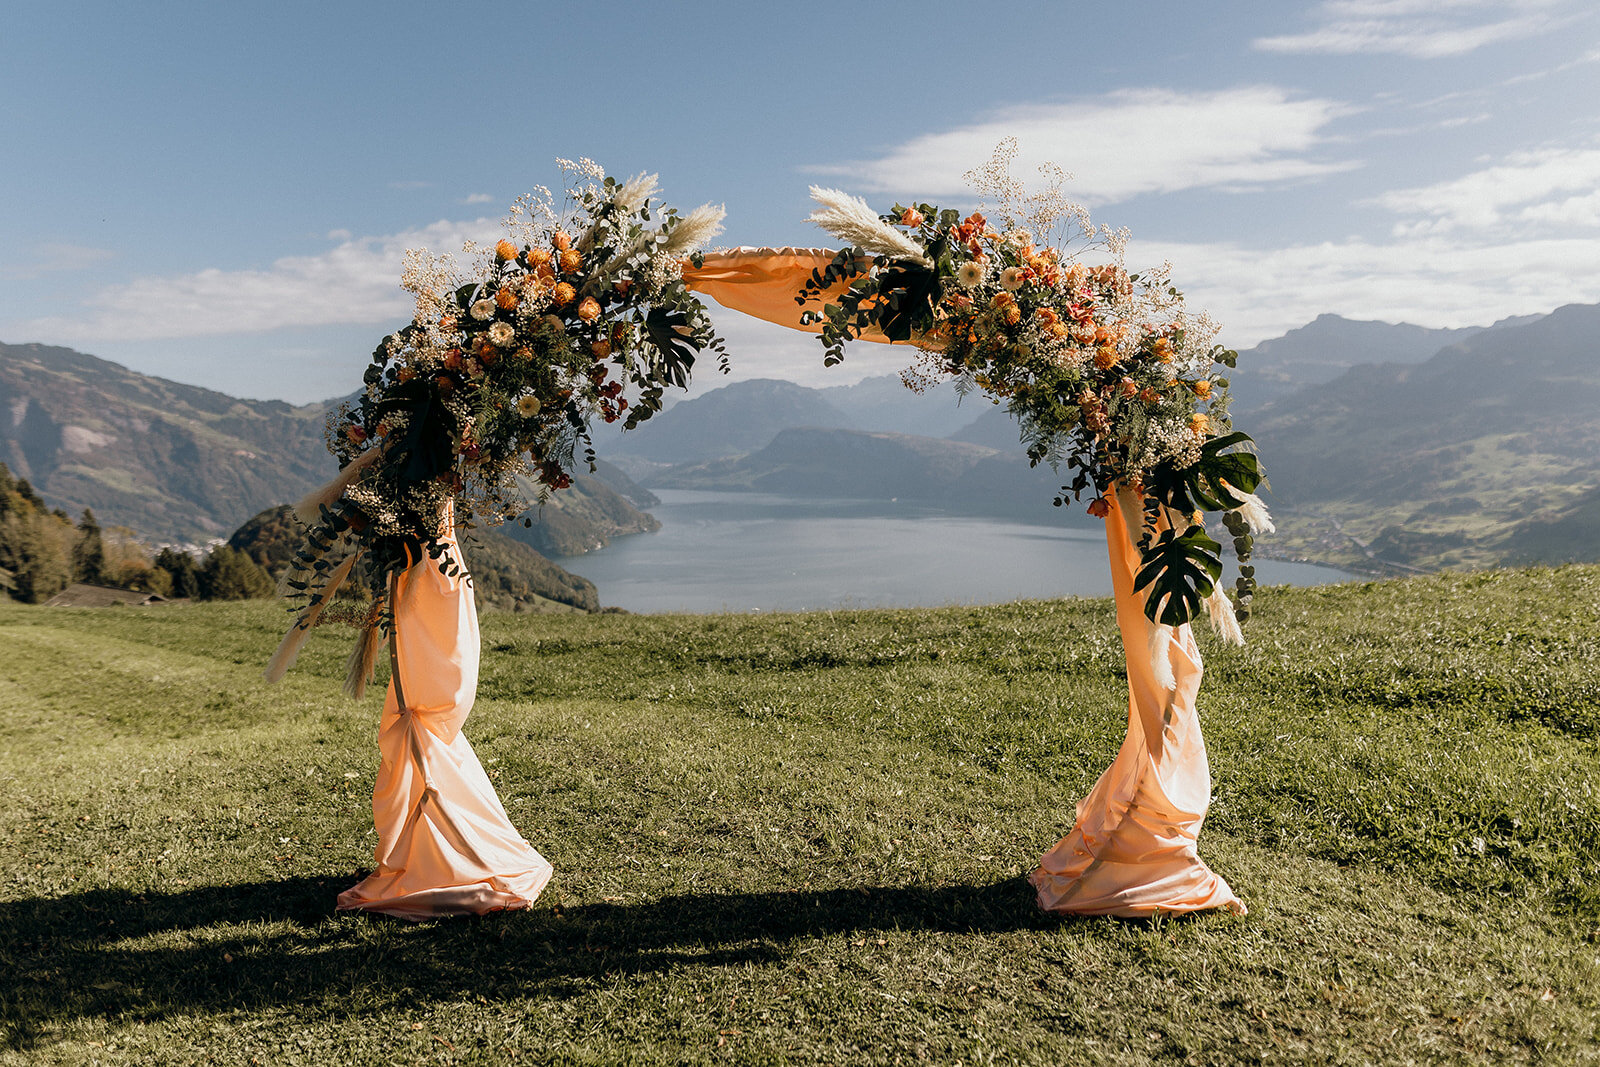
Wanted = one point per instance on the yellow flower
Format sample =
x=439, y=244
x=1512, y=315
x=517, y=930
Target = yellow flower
x=528, y=406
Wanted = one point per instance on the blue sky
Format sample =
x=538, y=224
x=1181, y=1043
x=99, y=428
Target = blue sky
x=220, y=193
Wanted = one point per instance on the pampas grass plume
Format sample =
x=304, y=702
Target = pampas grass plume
x=853, y=221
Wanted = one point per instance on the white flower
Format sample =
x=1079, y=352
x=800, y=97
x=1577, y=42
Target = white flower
x=483, y=309
x=1011, y=278
x=969, y=274
x=528, y=406
x=501, y=333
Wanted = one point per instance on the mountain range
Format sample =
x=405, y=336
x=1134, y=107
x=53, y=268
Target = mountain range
x=1388, y=446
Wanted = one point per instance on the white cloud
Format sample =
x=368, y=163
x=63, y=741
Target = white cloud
x=1425, y=29
x=1553, y=186
x=1432, y=281
x=1124, y=144
x=355, y=282
x=53, y=256
x=478, y=198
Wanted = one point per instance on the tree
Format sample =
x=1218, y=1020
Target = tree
x=229, y=574
x=89, y=553
x=184, y=576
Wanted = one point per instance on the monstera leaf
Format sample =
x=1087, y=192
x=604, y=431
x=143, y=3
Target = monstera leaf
x=671, y=333
x=1180, y=571
x=1200, y=486
x=907, y=294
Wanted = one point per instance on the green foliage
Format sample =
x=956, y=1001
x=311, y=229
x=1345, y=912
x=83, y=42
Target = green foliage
x=1179, y=571
x=801, y=838
x=229, y=574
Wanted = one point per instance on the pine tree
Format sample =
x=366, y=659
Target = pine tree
x=229, y=574
x=185, y=576
x=89, y=554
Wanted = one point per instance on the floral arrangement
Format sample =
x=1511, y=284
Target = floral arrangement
x=483, y=401
x=1107, y=372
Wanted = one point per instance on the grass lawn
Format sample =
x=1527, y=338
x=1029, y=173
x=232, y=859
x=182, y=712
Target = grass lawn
x=802, y=838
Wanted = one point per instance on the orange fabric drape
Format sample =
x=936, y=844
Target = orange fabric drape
x=445, y=845
x=1132, y=851
x=763, y=282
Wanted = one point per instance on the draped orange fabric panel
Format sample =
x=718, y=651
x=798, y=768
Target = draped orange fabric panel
x=763, y=282
x=1132, y=850
x=445, y=845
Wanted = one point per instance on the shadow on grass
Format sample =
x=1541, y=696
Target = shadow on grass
x=271, y=944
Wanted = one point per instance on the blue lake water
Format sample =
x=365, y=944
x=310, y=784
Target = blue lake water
x=755, y=552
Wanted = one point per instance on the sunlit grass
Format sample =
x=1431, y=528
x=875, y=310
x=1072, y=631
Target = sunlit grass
x=801, y=838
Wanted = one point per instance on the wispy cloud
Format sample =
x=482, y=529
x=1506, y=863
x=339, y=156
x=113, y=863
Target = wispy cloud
x=1125, y=144
x=1552, y=186
x=478, y=198
x=50, y=257
x=407, y=186
x=1437, y=281
x=1424, y=29
x=355, y=282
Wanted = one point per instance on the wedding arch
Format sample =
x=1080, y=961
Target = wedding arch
x=591, y=310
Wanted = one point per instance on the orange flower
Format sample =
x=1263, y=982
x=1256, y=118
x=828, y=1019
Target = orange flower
x=489, y=354
x=564, y=294
x=1099, y=507
x=589, y=310
x=446, y=386
x=1128, y=386
x=452, y=359
x=1202, y=388
x=538, y=257
x=1012, y=314
x=524, y=353
x=571, y=262
x=506, y=297
x=1199, y=423
x=1002, y=299
x=505, y=251
x=561, y=241
x=601, y=349
x=911, y=217
x=405, y=374
x=448, y=322
x=1162, y=348
x=1060, y=331
x=1046, y=316
x=1106, y=357
x=1150, y=396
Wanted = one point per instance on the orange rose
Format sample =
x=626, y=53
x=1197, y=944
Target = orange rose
x=506, y=297
x=1046, y=317
x=563, y=295
x=1099, y=507
x=489, y=354
x=601, y=349
x=1199, y=423
x=1202, y=388
x=1150, y=396
x=1128, y=386
x=452, y=359
x=505, y=251
x=911, y=217
x=571, y=262
x=589, y=310
x=447, y=323
x=561, y=241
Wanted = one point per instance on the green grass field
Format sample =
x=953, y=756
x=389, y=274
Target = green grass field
x=802, y=839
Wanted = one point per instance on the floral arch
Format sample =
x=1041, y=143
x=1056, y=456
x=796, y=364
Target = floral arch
x=592, y=311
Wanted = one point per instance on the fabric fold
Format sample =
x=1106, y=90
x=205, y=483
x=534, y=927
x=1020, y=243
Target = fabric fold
x=1132, y=849
x=445, y=843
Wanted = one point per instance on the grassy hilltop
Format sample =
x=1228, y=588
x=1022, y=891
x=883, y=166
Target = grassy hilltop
x=800, y=838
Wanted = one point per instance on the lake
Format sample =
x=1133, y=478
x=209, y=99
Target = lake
x=756, y=552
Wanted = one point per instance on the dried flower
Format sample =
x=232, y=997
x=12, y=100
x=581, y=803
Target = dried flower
x=1099, y=507
x=502, y=334
x=589, y=309
x=571, y=262
x=969, y=274
x=1011, y=278
x=483, y=310
x=563, y=294
x=506, y=298
x=505, y=251
x=600, y=349
x=528, y=406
